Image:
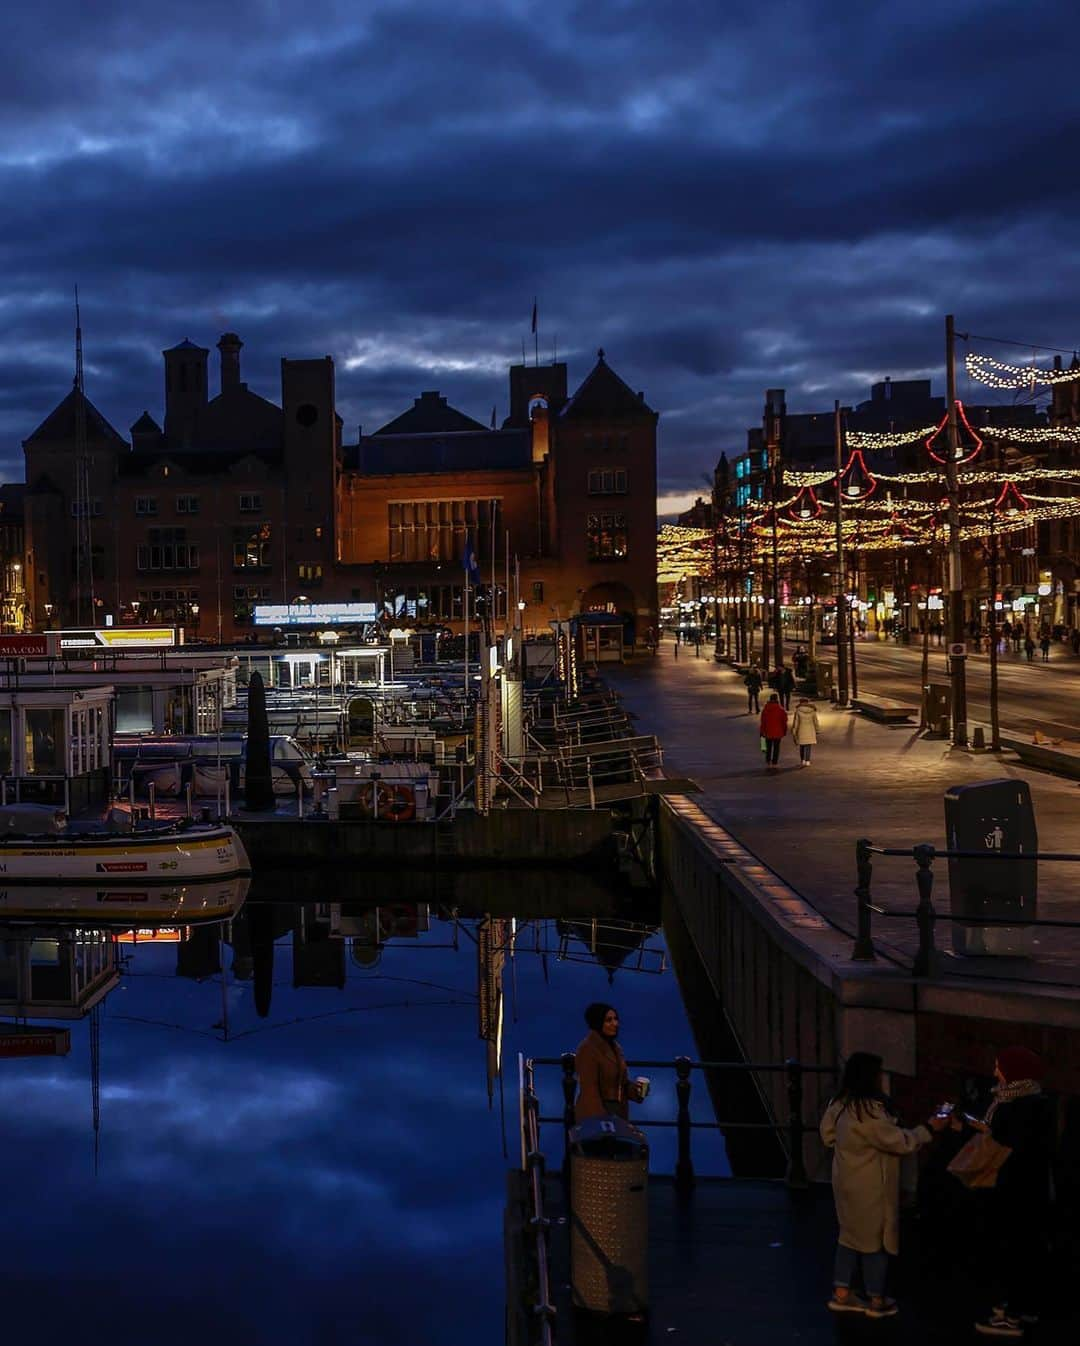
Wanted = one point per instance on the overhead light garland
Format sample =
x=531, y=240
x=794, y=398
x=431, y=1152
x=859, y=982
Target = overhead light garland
x=1042, y=434
x=886, y=439
x=998, y=374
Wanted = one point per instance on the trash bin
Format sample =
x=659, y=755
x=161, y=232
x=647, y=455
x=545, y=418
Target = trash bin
x=823, y=679
x=938, y=697
x=992, y=816
x=609, y=1216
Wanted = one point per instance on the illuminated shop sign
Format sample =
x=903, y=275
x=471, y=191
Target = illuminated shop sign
x=121, y=638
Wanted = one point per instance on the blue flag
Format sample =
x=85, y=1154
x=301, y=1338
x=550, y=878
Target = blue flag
x=469, y=562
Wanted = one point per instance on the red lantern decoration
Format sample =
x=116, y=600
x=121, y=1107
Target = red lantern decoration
x=1011, y=501
x=962, y=455
x=805, y=506
x=857, y=482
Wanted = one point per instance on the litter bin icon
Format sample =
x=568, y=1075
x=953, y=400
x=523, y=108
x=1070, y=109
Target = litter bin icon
x=994, y=818
x=609, y=1216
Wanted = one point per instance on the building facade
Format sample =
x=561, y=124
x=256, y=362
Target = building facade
x=237, y=500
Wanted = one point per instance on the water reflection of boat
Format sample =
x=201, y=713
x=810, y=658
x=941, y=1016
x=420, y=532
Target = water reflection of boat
x=168, y=903
x=35, y=849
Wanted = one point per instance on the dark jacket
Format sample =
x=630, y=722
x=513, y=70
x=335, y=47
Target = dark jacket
x=787, y=680
x=1026, y=1126
x=753, y=681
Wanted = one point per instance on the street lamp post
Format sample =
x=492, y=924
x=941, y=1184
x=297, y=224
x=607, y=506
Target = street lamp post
x=841, y=584
x=957, y=654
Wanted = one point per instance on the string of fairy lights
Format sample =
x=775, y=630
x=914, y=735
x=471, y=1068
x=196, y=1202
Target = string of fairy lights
x=903, y=510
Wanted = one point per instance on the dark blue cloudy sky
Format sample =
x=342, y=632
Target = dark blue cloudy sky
x=725, y=196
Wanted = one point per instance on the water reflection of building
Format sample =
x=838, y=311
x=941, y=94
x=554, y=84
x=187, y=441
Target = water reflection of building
x=613, y=944
x=55, y=972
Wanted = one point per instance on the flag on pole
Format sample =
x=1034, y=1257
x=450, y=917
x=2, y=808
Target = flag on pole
x=469, y=562
x=534, y=316
x=493, y=418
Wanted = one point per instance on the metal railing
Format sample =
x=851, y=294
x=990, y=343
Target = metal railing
x=927, y=960
x=792, y=1129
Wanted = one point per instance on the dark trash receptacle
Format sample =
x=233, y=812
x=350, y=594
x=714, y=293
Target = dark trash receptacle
x=609, y=1216
x=992, y=816
x=938, y=701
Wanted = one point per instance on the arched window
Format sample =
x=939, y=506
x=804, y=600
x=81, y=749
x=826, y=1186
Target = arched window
x=538, y=402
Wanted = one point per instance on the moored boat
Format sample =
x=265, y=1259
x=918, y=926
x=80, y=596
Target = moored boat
x=170, y=853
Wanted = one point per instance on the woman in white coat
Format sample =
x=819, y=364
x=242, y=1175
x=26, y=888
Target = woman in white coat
x=804, y=729
x=860, y=1128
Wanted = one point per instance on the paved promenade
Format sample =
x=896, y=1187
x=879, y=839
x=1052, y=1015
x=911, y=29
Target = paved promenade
x=884, y=783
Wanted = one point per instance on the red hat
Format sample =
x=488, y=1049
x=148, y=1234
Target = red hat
x=1020, y=1063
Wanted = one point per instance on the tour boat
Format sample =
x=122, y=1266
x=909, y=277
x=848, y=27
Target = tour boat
x=126, y=905
x=169, y=853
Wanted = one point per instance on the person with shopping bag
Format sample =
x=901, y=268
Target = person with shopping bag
x=1009, y=1155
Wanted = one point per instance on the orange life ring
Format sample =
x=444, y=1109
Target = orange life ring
x=401, y=806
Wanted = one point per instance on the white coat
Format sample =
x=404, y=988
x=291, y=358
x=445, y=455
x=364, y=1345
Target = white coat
x=867, y=1150
x=804, y=724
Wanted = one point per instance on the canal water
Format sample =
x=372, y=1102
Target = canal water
x=294, y=1129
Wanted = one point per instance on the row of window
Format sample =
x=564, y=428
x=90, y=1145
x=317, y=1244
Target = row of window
x=607, y=481
x=441, y=602
x=248, y=502
x=437, y=530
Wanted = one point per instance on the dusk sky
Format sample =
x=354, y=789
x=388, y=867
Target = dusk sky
x=726, y=197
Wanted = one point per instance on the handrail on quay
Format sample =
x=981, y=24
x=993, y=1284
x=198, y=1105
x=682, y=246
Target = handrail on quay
x=793, y=1127
x=926, y=915
x=532, y=1164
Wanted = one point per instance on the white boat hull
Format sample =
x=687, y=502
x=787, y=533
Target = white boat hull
x=173, y=856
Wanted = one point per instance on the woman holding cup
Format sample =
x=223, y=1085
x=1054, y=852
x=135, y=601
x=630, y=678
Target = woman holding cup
x=604, y=1090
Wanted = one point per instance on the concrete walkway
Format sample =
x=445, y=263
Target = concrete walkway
x=867, y=780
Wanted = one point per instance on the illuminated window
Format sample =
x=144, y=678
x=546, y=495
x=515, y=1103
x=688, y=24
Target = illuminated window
x=605, y=536
x=251, y=546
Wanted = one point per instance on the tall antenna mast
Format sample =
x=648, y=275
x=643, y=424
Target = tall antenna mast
x=84, y=552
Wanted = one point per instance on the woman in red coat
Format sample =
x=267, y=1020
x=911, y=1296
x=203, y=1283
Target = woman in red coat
x=773, y=729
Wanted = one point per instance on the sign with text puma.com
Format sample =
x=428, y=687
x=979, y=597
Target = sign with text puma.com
x=12, y=647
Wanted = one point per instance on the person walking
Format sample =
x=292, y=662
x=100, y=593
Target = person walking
x=787, y=685
x=603, y=1087
x=1044, y=645
x=774, y=721
x=804, y=729
x=1029, y=647
x=1020, y=1119
x=752, y=682
x=867, y=1141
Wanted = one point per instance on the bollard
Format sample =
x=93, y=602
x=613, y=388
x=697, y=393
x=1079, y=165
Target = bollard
x=796, y=1174
x=150, y=792
x=925, y=964
x=684, y=1168
x=569, y=1088
x=864, y=942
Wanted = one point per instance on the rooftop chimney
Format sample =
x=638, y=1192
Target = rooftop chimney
x=230, y=346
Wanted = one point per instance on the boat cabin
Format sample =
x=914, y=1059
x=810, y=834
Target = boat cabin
x=56, y=746
x=55, y=972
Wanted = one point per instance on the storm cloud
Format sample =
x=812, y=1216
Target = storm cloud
x=725, y=197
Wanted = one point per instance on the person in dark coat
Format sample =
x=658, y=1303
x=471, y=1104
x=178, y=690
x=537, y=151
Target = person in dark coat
x=1020, y=1118
x=1029, y=647
x=603, y=1087
x=753, y=690
x=787, y=685
x=773, y=728
x=1044, y=645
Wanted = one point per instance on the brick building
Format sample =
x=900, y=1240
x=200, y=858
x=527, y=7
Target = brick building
x=235, y=500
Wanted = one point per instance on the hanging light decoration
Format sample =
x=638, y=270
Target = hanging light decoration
x=901, y=532
x=998, y=374
x=1011, y=501
x=805, y=506
x=857, y=482
x=962, y=455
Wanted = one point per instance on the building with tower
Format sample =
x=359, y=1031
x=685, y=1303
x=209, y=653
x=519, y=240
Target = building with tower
x=234, y=500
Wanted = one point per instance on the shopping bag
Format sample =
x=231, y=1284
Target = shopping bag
x=763, y=748
x=977, y=1165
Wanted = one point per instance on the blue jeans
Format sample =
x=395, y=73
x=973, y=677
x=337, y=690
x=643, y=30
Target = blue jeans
x=874, y=1268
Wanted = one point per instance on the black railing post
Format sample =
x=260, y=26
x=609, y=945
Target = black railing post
x=569, y=1089
x=796, y=1174
x=926, y=959
x=684, y=1168
x=864, y=941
